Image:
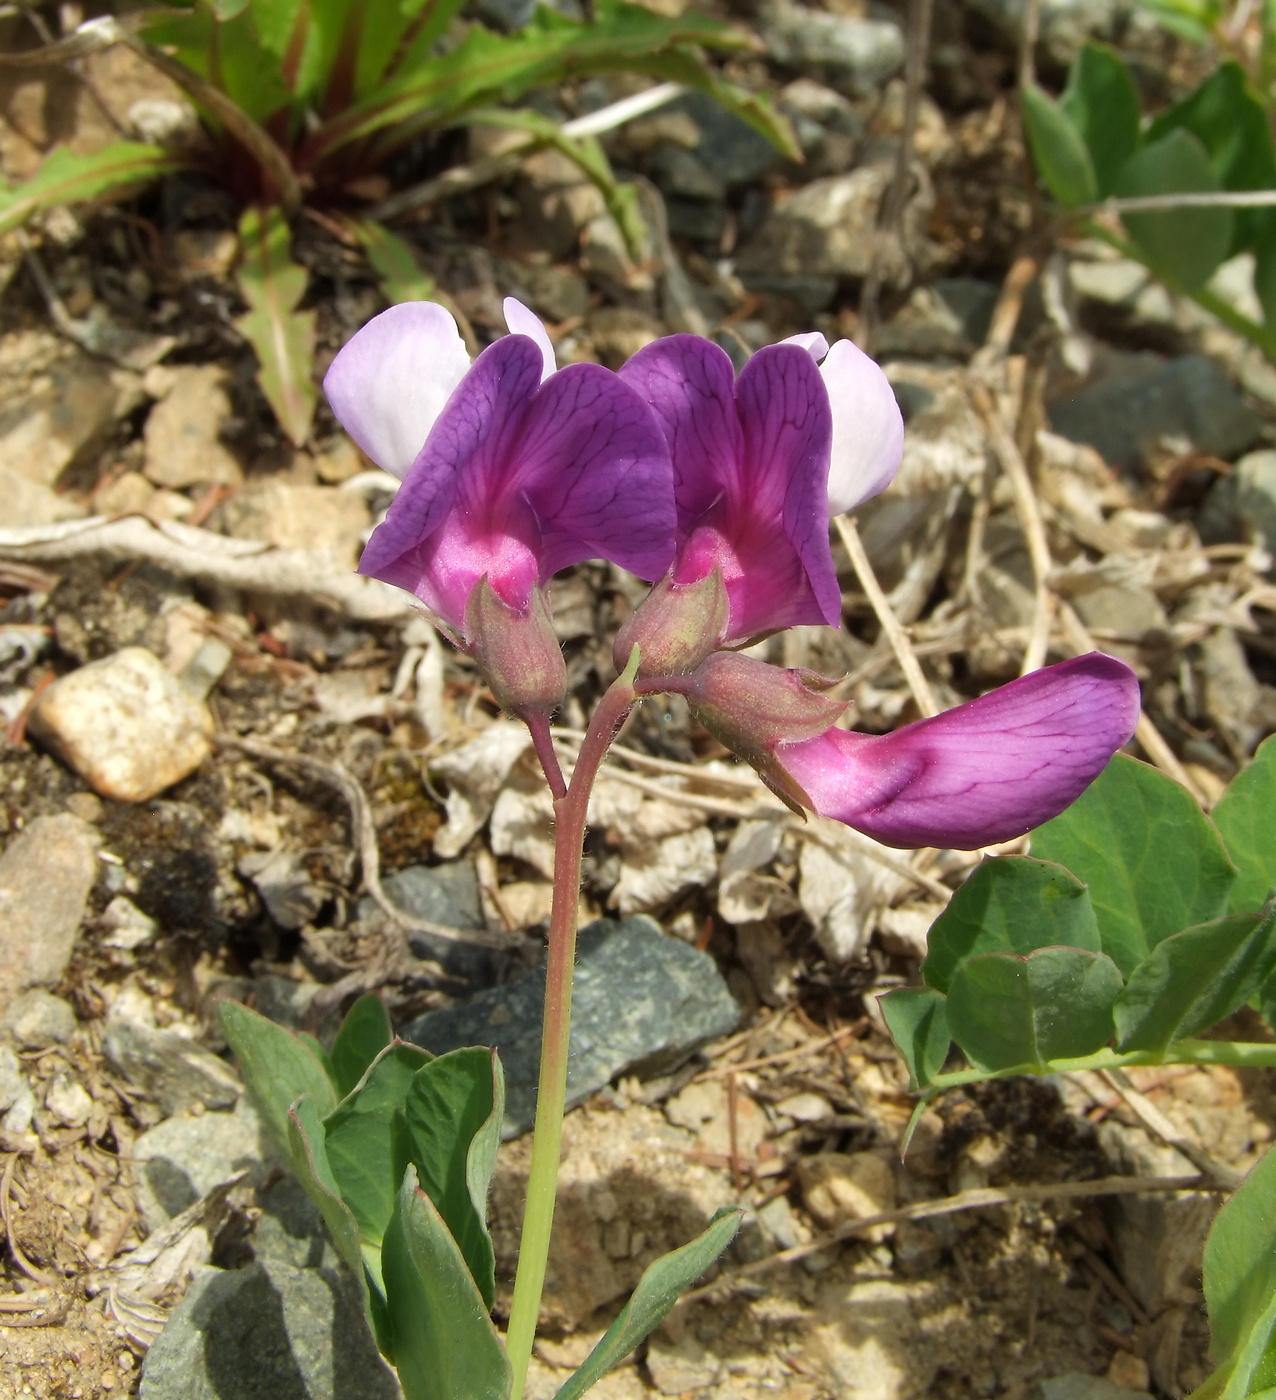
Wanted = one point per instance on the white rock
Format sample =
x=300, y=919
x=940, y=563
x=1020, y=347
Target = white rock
x=183, y=446
x=38, y=1019
x=125, y=926
x=68, y=1101
x=125, y=724
x=324, y=519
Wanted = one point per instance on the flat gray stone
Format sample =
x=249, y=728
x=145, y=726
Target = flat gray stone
x=1243, y=504
x=267, y=1332
x=46, y=874
x=1077, y=1385
x=177, y=1071
x=183, y=1158
x=641, y=1002
x=38, y=1019
x=1188, y=397
x=445, y=894
x=856, y=56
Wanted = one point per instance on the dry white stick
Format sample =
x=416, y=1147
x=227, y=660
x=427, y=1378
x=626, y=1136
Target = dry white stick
x=890, y=624
x=1160, y=1126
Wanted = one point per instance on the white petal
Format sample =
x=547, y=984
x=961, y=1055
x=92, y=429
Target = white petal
x=868, y=429
x=811, y=341
x=521, y=321
x=391, y=379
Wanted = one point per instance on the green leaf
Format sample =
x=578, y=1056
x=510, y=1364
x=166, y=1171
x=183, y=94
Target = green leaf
x=364, y=1141
x=1239, y=1268
x=1193, y=979
x=1193, y=20
x=452, y=1116
x=1246, y=819
x=1182, y=246
x=917, y=1019
x=1103, y=104
x=1231, y=122
x=283, y=337
x=1007, y=1011
x=277, y=1068
x=65, y=178
x=1058, y=150
x=392, y=258
x=309, y=1156
x=659, y=1288
x=445, y=1347
x=364, y=1034
x=1153, y=862
x=1010, y=905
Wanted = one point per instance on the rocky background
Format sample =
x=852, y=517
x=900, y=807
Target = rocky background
x=230, y=768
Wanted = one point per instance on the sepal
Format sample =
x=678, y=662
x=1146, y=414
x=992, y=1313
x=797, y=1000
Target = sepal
x=517, y=651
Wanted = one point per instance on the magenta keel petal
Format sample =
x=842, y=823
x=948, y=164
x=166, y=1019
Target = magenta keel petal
x=984, y=772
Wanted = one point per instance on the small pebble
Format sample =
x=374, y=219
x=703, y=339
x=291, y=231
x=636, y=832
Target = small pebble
x=38, y=1019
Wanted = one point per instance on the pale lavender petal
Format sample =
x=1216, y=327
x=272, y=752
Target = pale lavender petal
x=462, y=471
x=521, y=321
x=593, y=465
x=984, y=772
x=812, y=342
x=786, y=425
x=868, y=429
x=391, y=379
x=690, y=384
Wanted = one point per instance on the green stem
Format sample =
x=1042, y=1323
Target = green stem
x=570, y=812
x=1242, y=1053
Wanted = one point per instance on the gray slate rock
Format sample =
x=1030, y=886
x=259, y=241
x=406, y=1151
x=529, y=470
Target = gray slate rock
x=641, y=1002
x=445, y=894
x=1243, y=504
x=177, y=1071
x=38, y=1019
x=267, y=1332
x=856, y=56
x=46, y=874
x=1186, y=397
x=183, y=1158
x=1065, y=25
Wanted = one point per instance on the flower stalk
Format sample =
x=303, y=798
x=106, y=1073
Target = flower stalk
x=570, y=813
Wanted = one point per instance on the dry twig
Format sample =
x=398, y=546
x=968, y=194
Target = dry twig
x=1228, y=1178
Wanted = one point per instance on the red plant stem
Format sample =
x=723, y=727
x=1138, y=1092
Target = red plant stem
x=571, y=812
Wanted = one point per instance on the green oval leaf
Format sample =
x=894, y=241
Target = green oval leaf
x=1195, y=978
x=1153, y=862
x=917, y=1019
x=1246, y=819
x=1012, y=904
x=1239, y=1269
x=1007, y=1011
x=1183, y=246
x=1058, y=150
x=364, y=1034
x=1103, y=104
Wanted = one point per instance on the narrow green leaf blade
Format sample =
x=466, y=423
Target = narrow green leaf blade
x=1153, y=862
x=1239, y=1269
x=66, y=178
x=1183, y=246
x=364, y=1034
x=1007, y=1011
x=1058, y=150
x=365, y=1145
x=401, y=276
x=452, y=1116
x=283, y=337
x=445, y=1347
x=917, y=1018
x=1195, y=978
x=277, y=1068
x=1012, y=904
x=1246, y=819
x=659, y=1288
x=1103, y=104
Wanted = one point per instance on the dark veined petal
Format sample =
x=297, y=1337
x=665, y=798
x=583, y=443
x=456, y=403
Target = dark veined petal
x=984, y=772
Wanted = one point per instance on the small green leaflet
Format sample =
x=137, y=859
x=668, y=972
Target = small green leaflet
x=1246, y=819
x=65, y=178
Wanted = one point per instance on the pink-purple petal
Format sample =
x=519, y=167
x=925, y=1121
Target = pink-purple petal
x=984, y=772
x=868, y=429
x=390, y=381
x=690, y=385
x=521, y=321
x=812, y=342
x=593, y=465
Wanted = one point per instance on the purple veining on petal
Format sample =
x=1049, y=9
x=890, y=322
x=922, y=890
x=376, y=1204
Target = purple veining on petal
x=984, y=772
x=868, y=428
x=690, y=384
x=594, y=467
x=391, y=380
x=521, y=321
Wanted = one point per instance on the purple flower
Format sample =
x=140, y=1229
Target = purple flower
x=984, y=772
x=762, y=461
x=511, y=470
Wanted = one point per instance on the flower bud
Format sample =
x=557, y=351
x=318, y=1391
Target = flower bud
x=752, y=707
x=676, y=626
x=517, y=651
